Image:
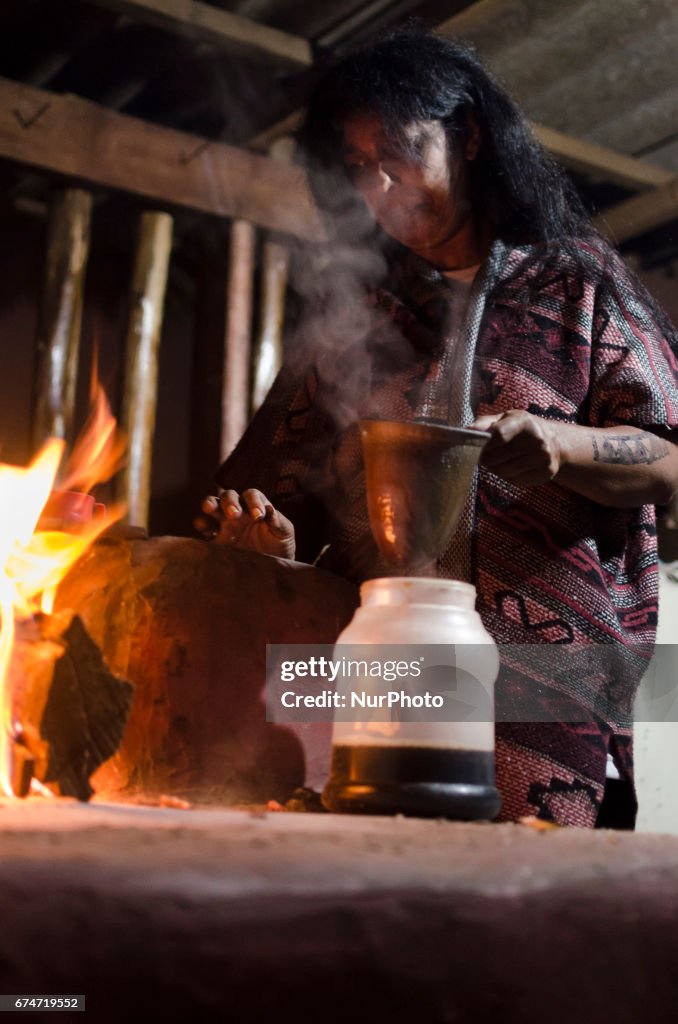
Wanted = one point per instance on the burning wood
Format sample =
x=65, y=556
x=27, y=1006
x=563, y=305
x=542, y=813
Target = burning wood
x=60, y=708
x=72, y=711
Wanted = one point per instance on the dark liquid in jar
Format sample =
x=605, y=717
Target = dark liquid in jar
x=427, y=782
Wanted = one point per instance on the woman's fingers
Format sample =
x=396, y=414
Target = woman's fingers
x=486, y=422
x=522, y=448
x=251, y=501
x=509, y=426
x=256, y=503
x=204, y=525
x=210, y=506
x=209, y=523
x=229, y=504
x=247, y=520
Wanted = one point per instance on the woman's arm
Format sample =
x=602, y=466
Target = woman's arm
x=621, y=466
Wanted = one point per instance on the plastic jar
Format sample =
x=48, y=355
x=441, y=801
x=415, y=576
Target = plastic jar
x=388, y=764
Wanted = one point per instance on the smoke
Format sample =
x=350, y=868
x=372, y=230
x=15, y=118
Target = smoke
x=341, y=325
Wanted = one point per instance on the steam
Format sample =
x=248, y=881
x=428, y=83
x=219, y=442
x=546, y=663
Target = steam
x=341, y=323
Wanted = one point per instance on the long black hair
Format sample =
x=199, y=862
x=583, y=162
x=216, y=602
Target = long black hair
x=413, y=75
x=516, y=187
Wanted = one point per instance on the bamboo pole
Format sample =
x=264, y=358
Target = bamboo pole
x=149, y=281
x=269, y=343
x=61, y=315
x=238, y=347
x=268, y=348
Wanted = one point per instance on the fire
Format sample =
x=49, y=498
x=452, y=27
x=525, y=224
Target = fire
x=99, y=451
x=33, y=560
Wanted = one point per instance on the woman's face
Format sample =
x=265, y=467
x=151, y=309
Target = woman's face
x=421, y=200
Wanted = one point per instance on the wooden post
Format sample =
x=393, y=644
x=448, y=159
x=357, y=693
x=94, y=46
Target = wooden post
x=238, y=348
x=141, y=365
x=208, y=356
x=268, y=349
x=61, y=315
x=269, y=344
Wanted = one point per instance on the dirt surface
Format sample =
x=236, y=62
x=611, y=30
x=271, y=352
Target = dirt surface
x=209, y=914
x=256, y=850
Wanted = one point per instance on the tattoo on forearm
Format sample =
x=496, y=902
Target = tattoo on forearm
x=630, y=449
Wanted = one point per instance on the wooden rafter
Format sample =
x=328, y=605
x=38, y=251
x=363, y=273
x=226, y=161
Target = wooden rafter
x=477, y=16
x=612, y=166
x=75, y=137
x=279, y=130
x=211, y=24
x=368, y=17
x=642, y=213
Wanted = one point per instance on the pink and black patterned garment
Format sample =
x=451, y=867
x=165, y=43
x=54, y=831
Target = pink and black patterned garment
x=551, y=568
x=551, y=565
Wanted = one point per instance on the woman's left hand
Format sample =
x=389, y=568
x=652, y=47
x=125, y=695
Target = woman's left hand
x=523, y=448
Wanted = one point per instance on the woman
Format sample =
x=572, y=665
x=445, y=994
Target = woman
x=494, y=304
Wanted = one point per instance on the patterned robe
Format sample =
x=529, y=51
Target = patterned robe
x=550, y=567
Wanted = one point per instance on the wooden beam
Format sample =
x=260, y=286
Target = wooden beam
x=369, y=17
x=618, y=168
x=211, y=24
x=478, y=16
x=72, y=136
x=141, y=366
x=265, y=139
x=61, y=315
x=640, y=214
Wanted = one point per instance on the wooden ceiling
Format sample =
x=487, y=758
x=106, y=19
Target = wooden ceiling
x=83, y=81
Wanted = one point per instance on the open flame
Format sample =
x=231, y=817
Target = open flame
x=33, y=560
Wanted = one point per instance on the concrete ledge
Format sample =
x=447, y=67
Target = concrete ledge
x=230, y=915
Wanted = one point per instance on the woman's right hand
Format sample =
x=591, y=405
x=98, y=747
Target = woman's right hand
x=247, y=521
